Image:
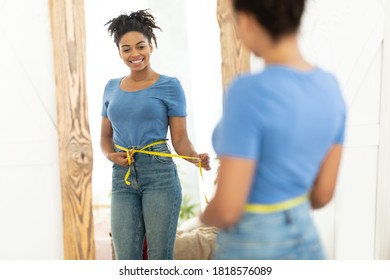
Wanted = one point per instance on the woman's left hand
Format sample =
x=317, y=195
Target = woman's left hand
x=205, y=160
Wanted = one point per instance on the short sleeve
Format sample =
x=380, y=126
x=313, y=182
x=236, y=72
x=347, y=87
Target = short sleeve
x=175, y=100
x=343, y=114
x=341, y=131
x=106, y=99
x=240, y=127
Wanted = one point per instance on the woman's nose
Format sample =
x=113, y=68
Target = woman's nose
x=134, y=53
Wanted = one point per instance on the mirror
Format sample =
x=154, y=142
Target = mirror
x=189, y=49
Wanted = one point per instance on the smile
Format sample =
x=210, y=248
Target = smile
x=138, y=61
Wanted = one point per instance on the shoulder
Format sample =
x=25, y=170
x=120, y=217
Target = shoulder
x=169, y=81
x=330, y=83
x=113, y=83
x=246, y=87
x=169, y=86
x=111, y=87
x=244, y=96
x=326, y=76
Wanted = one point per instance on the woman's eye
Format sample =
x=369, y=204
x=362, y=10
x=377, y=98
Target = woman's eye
x=141, y=47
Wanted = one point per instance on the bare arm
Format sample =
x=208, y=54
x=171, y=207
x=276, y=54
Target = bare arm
x=107, y=145
x=182, y=144
x=325, y=183
x=234, y=181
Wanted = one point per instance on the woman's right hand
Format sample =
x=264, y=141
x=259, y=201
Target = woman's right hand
x=120, y=158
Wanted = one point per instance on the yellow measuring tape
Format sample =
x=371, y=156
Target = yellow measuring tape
x=281, y=206
x=161, y=154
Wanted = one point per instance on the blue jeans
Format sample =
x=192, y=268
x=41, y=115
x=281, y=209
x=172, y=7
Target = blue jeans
x=283, y=235
x=149, y=207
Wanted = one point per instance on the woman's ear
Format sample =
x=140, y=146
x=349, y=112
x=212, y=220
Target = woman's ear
x=244, y=21
x=119, y=52
x=244, y=25
x=151, y=48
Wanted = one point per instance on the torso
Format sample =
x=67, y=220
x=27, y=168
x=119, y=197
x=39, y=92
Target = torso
x=293, y=117
x=140, y=117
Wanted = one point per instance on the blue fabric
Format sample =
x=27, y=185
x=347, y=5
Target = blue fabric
x=284, y=235
x=286, y=120
x=141, y=117
x=149, y=206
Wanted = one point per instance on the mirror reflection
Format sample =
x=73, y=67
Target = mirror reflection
x=187, y=49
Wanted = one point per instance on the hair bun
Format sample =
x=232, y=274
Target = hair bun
x=141, y=21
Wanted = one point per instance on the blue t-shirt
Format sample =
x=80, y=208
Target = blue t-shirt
x=286, y=120
x=141, y=117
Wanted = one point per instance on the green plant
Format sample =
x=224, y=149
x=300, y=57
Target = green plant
x=187, y=210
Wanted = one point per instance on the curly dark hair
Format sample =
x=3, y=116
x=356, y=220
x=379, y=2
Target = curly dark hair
x=141, y=21
x=278, y=17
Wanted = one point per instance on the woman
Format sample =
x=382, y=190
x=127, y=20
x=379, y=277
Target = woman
x=279, y=143
x=137, y=110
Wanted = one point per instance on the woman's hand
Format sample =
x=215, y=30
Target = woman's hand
x=205, y=161
x=120, y=158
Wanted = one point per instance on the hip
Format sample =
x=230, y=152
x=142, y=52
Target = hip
x=288, y=234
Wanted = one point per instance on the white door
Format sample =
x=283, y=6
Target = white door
x=347, y=38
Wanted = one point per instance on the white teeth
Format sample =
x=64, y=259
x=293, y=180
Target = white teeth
x=136, y=61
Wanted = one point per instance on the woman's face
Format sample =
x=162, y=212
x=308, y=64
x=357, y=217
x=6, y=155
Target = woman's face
x=135, y=50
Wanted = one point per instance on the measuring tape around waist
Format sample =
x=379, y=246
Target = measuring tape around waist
x=276, y=207
x=154, y=153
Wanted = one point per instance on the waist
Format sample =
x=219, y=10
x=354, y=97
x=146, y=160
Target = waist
x=142, y=144
x=148, y=150
x=275, y=207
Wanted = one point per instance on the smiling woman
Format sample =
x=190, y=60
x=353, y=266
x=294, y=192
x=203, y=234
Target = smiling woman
x=137, y=111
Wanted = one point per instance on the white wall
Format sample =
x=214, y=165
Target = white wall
x=339, y=40
x=30, y=198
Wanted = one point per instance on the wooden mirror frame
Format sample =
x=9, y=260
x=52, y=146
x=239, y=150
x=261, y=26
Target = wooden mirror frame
x=74, y=140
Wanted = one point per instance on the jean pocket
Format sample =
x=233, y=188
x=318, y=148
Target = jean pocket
x=163, y=159
x=118, y=177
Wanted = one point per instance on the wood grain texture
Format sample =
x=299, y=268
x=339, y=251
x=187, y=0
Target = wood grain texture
x=75, y=148
x=235, y=56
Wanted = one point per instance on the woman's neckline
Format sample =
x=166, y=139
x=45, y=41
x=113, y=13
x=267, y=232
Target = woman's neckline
x=138, y=90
